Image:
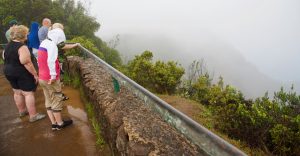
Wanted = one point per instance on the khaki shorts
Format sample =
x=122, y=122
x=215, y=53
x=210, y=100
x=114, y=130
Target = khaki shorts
x=53, y=95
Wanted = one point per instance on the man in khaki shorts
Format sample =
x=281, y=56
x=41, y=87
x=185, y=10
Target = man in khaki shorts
x=53, y=95
x=49, y=75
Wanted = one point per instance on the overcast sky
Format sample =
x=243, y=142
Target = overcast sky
x=265, y=32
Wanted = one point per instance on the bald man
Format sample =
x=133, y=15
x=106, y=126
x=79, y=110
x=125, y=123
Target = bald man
x=43, y=31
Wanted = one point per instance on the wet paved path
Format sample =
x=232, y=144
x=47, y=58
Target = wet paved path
x=19, y=137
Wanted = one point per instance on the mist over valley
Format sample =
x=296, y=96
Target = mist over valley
x=221, y=59
x=254, y=44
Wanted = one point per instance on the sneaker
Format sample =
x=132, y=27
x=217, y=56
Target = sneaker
x=65, y=124
x=37, y=117
x=54, y=126
x=22, y=114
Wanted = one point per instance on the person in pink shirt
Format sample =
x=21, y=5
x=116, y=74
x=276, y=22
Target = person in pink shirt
x=49, y=75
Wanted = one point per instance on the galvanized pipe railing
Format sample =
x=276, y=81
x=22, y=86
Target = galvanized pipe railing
x=2, y=46
x=207, y=141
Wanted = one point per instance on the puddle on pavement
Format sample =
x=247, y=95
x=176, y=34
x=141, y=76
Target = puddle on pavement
x=19, y=137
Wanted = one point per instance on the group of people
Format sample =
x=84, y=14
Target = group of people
x=44, y=44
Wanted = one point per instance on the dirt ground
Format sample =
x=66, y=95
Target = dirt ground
x=188, y=107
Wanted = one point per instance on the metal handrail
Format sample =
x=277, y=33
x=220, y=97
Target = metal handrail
x=207, y=141
x=2, y=46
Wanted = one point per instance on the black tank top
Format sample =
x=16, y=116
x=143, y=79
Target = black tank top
x=12, y=64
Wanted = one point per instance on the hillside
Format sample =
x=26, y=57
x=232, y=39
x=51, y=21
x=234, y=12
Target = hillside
x=221, y=59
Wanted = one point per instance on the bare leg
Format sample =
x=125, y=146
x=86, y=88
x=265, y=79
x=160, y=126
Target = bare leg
x=19, y=100
x=51, y=117
x=58, y=117
x=60, y=123
x=30, y=103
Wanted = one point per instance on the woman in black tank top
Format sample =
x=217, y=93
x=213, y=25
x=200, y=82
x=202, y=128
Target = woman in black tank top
x=13, y=66
x=21, y=74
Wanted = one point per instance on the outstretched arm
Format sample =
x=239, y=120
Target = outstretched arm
x=70, y=46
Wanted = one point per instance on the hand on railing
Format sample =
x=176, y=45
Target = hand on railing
x=70, y=45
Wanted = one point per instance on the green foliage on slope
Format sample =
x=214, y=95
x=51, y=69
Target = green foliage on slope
x=160, y=77
x=272, y=125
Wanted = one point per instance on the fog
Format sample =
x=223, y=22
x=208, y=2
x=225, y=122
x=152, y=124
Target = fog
x=253, y=44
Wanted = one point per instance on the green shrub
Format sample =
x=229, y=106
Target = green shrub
x=111, y=55
x=66, y=78
x=282, y=140
x=166, y=76
x=159, y=77
x=261, y=123
x=202, y=88
x=140, y=69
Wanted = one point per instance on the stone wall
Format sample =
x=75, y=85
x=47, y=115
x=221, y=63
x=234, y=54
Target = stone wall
x=129, y=126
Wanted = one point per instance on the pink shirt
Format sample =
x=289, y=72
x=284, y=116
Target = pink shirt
x=48, y=61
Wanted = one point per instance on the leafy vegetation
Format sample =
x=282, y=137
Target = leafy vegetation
x=111, y=55
x=96, y=126
x=272, y=125
x=159, y=77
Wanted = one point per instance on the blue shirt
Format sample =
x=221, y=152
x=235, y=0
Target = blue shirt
x=33, y=39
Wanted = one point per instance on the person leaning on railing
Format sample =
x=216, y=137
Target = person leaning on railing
x=49, y=75
x=20, y=72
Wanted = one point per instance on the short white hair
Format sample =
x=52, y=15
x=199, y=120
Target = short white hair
x=57, y=35
x=46, y=20
x=58, y=25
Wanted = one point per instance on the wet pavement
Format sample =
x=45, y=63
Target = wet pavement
x=20, y=137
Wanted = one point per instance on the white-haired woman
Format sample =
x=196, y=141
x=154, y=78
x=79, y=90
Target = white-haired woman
x=21, y=74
